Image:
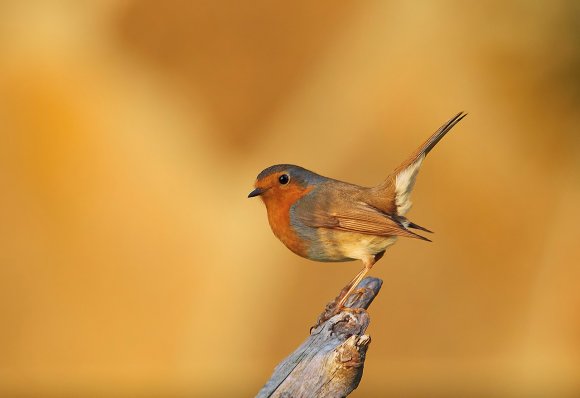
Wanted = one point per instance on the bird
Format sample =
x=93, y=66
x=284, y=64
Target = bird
x=328, y=220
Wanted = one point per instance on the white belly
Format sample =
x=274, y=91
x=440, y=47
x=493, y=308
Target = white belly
x=361, y=246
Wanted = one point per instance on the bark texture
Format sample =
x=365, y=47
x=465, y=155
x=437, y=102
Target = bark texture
x=330, y=362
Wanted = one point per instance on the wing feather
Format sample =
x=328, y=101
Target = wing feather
x=360, y=218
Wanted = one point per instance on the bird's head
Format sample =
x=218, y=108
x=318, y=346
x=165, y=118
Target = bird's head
x=284, y=182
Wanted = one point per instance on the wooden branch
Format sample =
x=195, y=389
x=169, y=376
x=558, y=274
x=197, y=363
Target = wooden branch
x=330, y=362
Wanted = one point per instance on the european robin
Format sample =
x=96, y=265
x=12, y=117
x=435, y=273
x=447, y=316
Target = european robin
x=328, y=220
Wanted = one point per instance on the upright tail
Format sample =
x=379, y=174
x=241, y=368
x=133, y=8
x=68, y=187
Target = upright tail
x=399, y=184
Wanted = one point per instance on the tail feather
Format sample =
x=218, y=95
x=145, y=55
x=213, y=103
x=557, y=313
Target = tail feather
x=397, y=188
x=415, y=226
x=406, y=224
x=406, y=173
x=421, y=237
x=426, y=147
x=440, y=133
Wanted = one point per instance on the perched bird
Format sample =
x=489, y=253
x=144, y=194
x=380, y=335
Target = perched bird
x=328, y=220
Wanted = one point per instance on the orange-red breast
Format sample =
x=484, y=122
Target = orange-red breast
x=324, y=219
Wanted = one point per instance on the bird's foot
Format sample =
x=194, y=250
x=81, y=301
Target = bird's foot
x=337, y=305
x=352, y=310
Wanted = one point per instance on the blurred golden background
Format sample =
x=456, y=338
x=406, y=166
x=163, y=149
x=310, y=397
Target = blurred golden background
x=132, y=264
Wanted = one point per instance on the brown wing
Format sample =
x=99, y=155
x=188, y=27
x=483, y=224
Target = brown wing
x=359, y=217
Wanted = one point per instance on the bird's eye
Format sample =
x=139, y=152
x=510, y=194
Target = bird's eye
x=284, y=179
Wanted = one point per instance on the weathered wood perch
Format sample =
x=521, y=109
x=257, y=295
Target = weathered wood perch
x=330, y=362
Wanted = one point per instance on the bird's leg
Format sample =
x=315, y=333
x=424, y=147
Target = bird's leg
x=353, y=285
x=368, y=264
x=347, y=288
x=353, y=282
x=337, y=304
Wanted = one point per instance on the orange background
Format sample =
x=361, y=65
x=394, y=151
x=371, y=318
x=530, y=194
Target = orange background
x=132, y=264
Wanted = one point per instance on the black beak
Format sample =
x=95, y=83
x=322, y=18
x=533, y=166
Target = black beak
x=256, y=192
